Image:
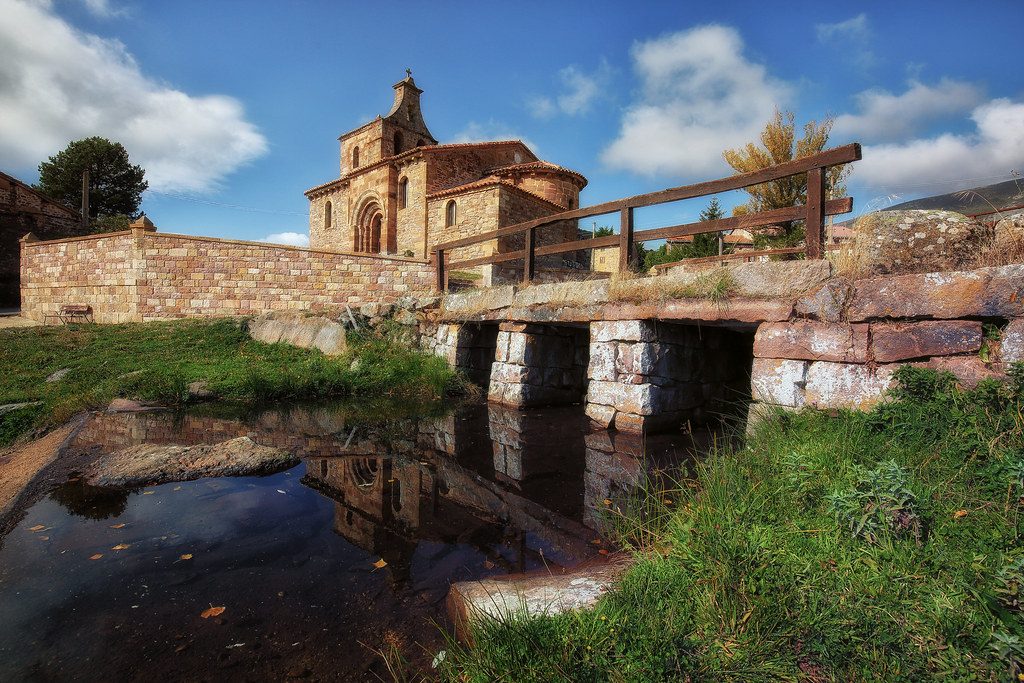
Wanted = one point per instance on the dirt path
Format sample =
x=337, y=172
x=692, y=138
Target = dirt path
x=19, y=465
x=16, y=321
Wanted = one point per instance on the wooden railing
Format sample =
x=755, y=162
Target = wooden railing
x=813, y=213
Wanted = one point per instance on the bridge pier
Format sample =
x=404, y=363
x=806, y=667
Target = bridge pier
x=647, y=375
x=538, y=365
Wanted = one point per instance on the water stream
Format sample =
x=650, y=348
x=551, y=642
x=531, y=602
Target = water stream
x=351, y=551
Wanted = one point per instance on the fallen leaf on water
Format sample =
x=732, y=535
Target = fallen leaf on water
x=117, y=526
x=37, y=527
x=280, y=491
x=148, y=493
x=186, y=556
x=120, y=546
x=96, y=556
x=43, y=538
x=212, y=612
x=176, y=488
x=959, y=513
x=380, y=564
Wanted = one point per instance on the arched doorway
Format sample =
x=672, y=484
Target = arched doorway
x=368, y=229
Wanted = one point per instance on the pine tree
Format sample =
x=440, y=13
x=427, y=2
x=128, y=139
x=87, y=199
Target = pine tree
x=115, y=184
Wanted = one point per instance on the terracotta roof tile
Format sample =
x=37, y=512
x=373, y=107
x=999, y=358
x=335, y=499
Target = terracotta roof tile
x=539, y=165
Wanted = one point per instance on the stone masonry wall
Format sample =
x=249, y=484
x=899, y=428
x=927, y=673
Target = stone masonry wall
x=645, y=375
x=139, y=275
x=851, y=337
x=538, y=365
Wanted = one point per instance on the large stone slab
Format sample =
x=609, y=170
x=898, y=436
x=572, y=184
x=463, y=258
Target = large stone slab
x=1012, y=346
x=996, y=292
x=847, y=385
x=916, y=240
x=478, y=300
x=536, y=594
x=902, y=341
x=304, y=332
x=575, y=293
x=810, y=340
x=769, y=279
x=779, y=381
x=826, y=303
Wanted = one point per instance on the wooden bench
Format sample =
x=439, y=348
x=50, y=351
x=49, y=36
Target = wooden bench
x=70, y=313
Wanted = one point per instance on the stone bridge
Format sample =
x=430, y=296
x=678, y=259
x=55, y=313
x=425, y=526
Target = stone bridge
x=653, y=353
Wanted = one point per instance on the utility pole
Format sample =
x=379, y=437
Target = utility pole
x=85, y=198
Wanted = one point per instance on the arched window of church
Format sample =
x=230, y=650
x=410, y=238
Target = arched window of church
x=327, y=215
x=355, y=156
x=398, y=142
x=420, y=143
x=449, y=214
x=403, y=193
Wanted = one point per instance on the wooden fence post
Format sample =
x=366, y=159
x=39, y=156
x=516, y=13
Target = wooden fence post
x=625, y=239
x=530, y=257
x=814, y=225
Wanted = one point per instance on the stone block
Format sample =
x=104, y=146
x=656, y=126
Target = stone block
x=601, y=366
x=902, y=341
x=827, y=303
x=847, y=385
x=915, y=240
x=622, y=330
x=1012, y=345
x=779, y=381
x=478, y=300
x=602, y=415
x=563, y=293
x=996, y=292
x=812, y=340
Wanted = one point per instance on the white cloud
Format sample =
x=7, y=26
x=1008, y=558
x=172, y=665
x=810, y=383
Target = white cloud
x=580, y=89
x=72, y=85
x=884, y=116
x=700, y=95
x=850, y=38
x=489, y=131
x=103, y=8
x=294, y=239
x=994, y=148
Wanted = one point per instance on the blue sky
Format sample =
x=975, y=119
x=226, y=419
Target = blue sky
x=234, y=108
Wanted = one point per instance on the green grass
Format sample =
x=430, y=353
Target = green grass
x=157, y=361
x=845, y=547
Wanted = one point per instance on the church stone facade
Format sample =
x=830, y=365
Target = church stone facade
x=400, y=192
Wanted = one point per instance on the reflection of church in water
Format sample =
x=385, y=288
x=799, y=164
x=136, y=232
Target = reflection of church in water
x=504, y=489
x=505, y=484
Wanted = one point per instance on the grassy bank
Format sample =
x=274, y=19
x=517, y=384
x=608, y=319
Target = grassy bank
x=880, y=546
x=157, y=361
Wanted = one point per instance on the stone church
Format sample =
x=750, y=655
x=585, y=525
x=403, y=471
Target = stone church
x=400, y=192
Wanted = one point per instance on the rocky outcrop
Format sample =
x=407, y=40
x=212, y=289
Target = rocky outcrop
x=155, y=464
x=1009, y=234
x=534, y=594
x=915, y=241
x=319, y=333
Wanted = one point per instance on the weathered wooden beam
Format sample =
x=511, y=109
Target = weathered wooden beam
x=625, y=238
x=814, y=226
x=832, y=157
x=530, y=259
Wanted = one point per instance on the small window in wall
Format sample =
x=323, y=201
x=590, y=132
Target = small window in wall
x=449, y=214
x=355, y=157
x=327, y=215
x=403, y=193
x=398, y=142
x=420, y=143
x=572, y=203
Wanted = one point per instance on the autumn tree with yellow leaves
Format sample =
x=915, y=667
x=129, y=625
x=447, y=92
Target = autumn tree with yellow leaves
x=779, y=144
